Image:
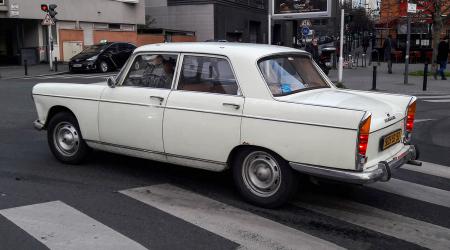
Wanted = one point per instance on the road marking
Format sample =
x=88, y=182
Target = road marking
x=247, y=229
x=398, y=226
x=59, y=226
x=442, y=100
x=423, y=120
x=415, y=191
x=433, y=97
x=430, y=168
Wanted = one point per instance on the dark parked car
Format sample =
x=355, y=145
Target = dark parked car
x=102, y=57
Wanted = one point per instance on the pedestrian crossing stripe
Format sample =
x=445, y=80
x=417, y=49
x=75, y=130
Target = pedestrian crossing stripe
x=441, y=100
x=69, y=76
x=415, y=191
x=430, y=169
x=247, y=229
x=433, y=96
x=388, y=223
x=59, y=226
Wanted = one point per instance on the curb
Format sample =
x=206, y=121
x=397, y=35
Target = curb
x=30, y=76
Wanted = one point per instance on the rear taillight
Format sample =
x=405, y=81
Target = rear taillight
x=363, y=136
x=410, y=114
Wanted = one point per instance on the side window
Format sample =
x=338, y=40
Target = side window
x=207, y=74
x=153, y=71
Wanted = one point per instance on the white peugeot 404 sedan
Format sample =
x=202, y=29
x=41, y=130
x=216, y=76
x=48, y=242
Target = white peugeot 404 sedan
x=265, y=112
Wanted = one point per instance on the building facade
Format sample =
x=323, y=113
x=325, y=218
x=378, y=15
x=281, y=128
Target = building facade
x=288, y=16
x=231, y=20
x=79, y=23
x=393, y=21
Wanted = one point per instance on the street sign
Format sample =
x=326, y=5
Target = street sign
x=47, y=20
x=305, y=31
x=412, y=8
x=306, y=23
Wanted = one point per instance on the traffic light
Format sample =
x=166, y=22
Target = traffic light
x=51, y=10
x=44, y=7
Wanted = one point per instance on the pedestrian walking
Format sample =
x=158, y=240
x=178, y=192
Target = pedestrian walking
x=365, y=44
x=388, y=47
x=442, y=58
x=313, y=48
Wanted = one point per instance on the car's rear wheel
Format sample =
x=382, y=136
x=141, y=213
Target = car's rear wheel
x=263, y=178
x=65, y=139
x=103, y=66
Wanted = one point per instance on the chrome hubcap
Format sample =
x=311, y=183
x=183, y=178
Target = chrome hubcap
x=261, y=174
x=66, y=139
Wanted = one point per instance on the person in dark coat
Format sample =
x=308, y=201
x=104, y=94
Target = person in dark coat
x=313, y=49
x=388, y=46
x=365, y=44
x=442, y=58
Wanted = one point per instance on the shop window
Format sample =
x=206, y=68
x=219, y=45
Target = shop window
x=114, y=26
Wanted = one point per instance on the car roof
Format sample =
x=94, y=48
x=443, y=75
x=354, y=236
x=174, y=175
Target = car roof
x=219, y=48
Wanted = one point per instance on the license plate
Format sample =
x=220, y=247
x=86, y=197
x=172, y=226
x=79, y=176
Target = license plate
x=391, y=139
x=77, y=65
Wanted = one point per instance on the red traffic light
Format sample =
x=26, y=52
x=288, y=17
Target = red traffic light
x=44, y=7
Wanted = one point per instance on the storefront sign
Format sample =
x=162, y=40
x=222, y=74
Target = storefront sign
x=412, y=8
x=297, y=9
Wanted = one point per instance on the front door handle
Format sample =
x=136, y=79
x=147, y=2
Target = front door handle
x=159, y=98
x=235, y=106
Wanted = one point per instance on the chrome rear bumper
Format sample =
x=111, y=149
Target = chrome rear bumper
x=379, y=172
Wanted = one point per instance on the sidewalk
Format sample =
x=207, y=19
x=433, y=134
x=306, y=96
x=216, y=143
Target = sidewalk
x=361, y=78
x=17, y=71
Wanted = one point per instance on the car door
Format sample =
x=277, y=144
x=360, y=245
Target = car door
x=131, y=114
x=203, y=115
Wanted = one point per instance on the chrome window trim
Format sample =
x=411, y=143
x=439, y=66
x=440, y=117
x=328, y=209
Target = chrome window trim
x=133, y=58
x=240, y=92
x=303, y=53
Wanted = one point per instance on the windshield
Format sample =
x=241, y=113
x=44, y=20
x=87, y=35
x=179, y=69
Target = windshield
x=288, y=74
x=95, y=48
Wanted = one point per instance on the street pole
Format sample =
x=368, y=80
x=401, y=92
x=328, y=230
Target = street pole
x=341, y=49
x=269, y=33
x=408, y=40
x=49, y=30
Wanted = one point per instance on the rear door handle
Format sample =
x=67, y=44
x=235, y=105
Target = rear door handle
x=235, y=106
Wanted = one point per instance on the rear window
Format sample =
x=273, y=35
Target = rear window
x=288, y=74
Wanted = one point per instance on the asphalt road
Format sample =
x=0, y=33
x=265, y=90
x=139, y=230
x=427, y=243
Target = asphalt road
x=119, y=202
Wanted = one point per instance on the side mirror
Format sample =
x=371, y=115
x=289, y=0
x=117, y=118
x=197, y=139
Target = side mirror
x=111, y=82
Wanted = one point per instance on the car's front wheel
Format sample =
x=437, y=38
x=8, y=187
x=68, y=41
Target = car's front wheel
x=65, y=140
x=103, y=66
x=263, y=178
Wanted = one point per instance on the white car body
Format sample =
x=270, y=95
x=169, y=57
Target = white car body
x=316, y=131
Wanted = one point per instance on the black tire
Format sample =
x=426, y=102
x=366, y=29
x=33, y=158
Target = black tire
x=274, y=196
x=65, y=126
x=103, y=66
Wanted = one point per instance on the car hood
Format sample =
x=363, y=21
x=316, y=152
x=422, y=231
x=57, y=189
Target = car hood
x=384, y=112
x=83, y=56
